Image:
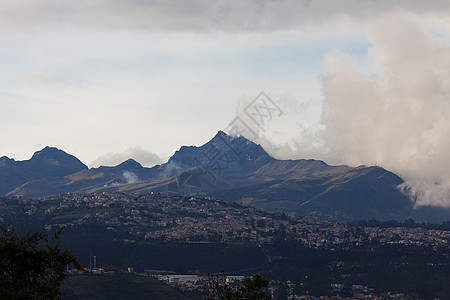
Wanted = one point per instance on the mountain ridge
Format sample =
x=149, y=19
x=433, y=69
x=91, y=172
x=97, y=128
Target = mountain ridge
x=48, y=162
x=236, y=169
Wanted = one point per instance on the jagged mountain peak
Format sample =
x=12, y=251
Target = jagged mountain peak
x=223, y=136
x=234, y=148
x=239, y=145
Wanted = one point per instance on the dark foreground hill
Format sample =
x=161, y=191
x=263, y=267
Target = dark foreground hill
x=235, y=169
x=122, y=286
x=305, y=256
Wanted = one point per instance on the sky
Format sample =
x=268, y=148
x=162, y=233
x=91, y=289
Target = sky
x=358, y=82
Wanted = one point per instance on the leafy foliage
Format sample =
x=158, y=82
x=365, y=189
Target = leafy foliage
x=31, y=266
x=218, y=288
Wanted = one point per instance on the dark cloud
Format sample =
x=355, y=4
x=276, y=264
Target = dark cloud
x=202, y=15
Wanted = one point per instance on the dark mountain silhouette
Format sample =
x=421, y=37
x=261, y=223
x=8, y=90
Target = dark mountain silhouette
x=49, y=162
x=129, y=164
x=224, y=155
x=235, y=169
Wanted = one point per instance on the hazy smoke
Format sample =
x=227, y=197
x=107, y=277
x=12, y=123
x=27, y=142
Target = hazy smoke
x=396, y=113
x=144, y=157
x=130, y=177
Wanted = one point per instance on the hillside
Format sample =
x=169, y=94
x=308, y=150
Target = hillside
x=157, y=234
x=118, y=287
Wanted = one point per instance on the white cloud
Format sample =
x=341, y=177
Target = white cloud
x=398, y=116
x=391, y=109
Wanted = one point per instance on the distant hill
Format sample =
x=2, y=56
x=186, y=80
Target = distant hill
x=235, y=169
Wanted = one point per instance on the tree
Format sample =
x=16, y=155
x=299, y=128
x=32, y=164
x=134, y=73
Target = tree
x=31, y=267
x=250, y=289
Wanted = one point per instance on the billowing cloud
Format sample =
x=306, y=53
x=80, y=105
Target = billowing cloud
x=394, y=111
x=144, y=157
x=390, y=110
x=286, y=127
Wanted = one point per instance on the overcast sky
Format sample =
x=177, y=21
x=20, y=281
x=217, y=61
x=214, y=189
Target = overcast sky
x=359, y=82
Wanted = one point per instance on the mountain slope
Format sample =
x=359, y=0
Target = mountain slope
x=86, y=180
x=49, y=162
x=236, y=169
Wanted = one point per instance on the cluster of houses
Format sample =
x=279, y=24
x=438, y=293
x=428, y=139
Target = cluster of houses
x=172, y=218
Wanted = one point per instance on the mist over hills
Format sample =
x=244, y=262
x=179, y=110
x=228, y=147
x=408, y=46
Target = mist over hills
x=229, y=168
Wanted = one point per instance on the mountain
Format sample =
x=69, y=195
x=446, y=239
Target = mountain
x=234, y=169
x=129, y=164
x=86, y=180
x=49, y=162
x=223, y=155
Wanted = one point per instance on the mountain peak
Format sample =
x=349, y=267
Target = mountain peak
x=221, y=133
x=239, y=145
x=224, y=136
x=55, y=162
x=5, y=160
x=225, y=153
x=47, y=151
x=130, y=164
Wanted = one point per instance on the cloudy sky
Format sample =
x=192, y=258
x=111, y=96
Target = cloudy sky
x=358, y=81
